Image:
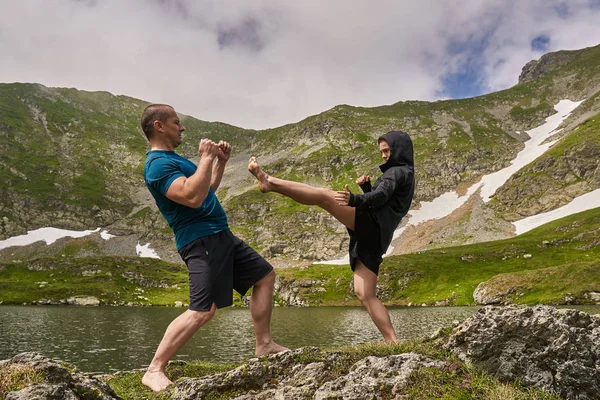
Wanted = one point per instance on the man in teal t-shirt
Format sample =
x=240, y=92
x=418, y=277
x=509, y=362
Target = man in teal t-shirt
x=217, y=261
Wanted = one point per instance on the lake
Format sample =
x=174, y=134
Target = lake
x=109, y=339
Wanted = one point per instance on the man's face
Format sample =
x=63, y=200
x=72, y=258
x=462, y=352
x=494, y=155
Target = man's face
x=384, y=148
x=172, y=128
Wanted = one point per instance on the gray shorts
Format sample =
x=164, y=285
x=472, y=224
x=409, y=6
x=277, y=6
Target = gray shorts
x=217, y=265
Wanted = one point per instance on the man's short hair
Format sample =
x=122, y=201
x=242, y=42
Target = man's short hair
x=154, y=112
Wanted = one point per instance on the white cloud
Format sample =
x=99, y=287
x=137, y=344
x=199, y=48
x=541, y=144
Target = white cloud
x=263, y=63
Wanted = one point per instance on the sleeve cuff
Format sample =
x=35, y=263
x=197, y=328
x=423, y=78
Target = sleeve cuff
x=352, y=201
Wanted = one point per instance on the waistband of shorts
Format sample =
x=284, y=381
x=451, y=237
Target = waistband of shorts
x=220, y=233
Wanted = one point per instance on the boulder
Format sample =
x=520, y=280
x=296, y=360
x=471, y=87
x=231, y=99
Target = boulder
x=486, y=294
x=553, y=349
x=59, y=383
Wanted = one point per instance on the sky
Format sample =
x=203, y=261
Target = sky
x=261, y=64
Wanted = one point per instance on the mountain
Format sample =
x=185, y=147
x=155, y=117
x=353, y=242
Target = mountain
x=73, y=159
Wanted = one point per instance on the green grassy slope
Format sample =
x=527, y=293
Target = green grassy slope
x=74, y=159
x=562, y=267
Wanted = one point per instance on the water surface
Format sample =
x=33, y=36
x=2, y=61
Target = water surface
x=107, y=339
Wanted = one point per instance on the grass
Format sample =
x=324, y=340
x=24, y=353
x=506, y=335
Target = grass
x=112, y=280
x=16, y=377
x=521, y=114
x=129, y=384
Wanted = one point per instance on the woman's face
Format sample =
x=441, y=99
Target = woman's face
x=384, y=148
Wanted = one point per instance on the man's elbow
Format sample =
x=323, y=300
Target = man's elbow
x=193, y=201
x=197, y=201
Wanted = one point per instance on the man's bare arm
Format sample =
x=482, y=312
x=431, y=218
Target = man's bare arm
x=217, y=174
x=219, y=167
x=192, y=191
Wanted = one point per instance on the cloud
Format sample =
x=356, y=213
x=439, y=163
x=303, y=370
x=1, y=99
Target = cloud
x=260, y=63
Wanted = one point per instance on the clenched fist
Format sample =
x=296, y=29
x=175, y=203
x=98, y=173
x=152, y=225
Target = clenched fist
x=363, y=179
x=208, y=149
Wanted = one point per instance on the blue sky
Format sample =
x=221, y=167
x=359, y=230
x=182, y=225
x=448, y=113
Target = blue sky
x=260, y=64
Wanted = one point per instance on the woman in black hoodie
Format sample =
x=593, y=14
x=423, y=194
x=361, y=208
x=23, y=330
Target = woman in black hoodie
x=370, y=218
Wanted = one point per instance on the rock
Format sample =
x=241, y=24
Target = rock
x=484, y=295
x=553, y=349
x=40, y=391
x=569, y=298
x=252, y=375
x=309, y=373
x=374, y=377
x=289, y=292
x=91, y=273
x=549, y=62
x=83, y=301
x=593, y=296
x=437, y=334
x=59, y=382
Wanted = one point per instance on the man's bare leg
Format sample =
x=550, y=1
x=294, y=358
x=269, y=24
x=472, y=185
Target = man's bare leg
x=365, y=287
x=177, y=334
x=303, y=194
x=261, y=306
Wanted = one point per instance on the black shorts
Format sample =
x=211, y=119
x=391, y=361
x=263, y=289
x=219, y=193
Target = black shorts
x=217, y=264
x=365, y=242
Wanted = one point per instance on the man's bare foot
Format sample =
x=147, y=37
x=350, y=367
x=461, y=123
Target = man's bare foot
x=156, y=381
x=263, y=179
x=271, y=348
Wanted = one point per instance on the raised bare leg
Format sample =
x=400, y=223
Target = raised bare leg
x=365, y=287
x=177, y=334
x=303, y=194
x=261, y=306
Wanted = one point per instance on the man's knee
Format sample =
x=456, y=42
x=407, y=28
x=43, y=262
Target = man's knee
x=268, y=280
x=199, y=318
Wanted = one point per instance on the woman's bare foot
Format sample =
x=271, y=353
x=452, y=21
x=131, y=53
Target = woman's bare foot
x=156, y=381
x=263, y=179
x=271, y=348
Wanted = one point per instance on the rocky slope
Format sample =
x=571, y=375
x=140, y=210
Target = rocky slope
x=73, y=159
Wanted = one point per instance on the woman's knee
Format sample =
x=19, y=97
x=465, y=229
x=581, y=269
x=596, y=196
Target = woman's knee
x=360, y=294
x=363, y=294
x=328, y=201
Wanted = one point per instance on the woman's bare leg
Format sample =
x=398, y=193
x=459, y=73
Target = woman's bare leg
x=365, y=287
x=303, y=194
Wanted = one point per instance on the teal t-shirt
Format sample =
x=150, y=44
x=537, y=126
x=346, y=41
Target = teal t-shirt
x=188, y=224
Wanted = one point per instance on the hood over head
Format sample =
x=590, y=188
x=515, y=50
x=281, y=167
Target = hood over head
x=401, y=150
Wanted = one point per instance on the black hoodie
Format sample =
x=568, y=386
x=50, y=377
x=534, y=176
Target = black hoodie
x=391, y=195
